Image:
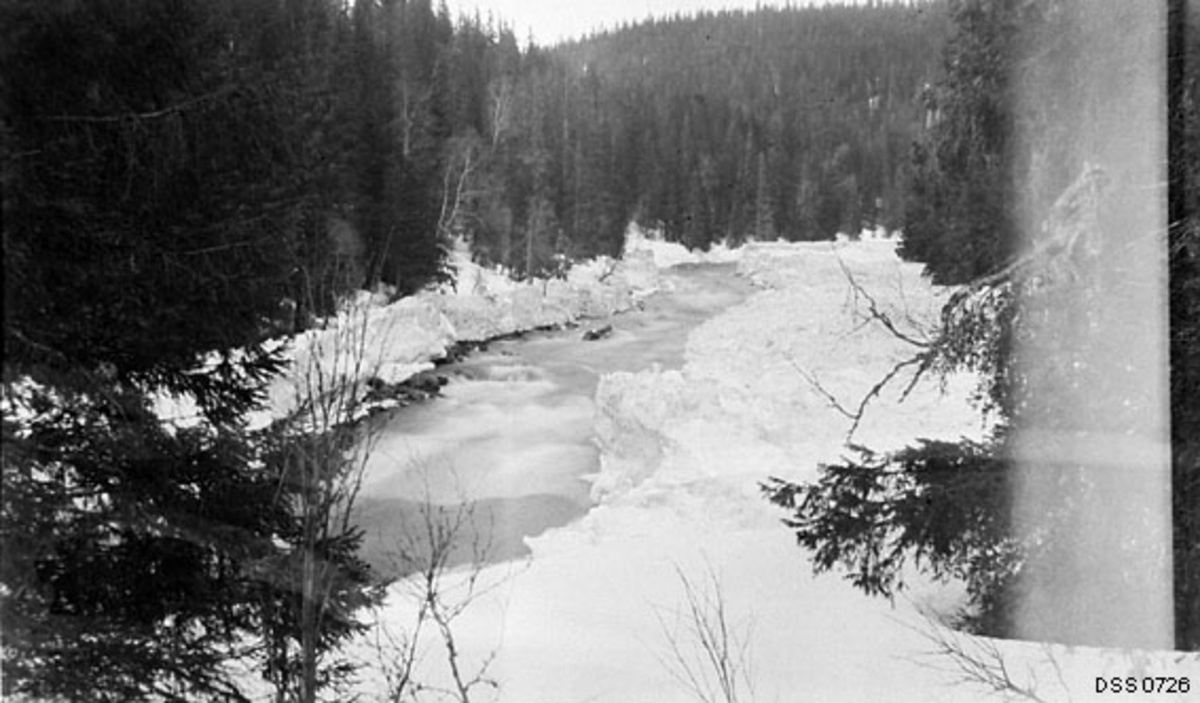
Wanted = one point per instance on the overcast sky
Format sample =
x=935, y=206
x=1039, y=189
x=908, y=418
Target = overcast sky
x=551, y=21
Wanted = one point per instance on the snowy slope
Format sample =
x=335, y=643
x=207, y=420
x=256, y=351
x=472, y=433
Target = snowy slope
x=593, y=614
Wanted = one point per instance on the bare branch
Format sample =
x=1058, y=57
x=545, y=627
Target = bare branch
x=711, y=656
x=831, y=398
x=324, y=456
x=427, y=549
x=978, y=661
x=454, y=195
x=923, y=361
x=878, y=315
x=154, y=114
x=500, y=94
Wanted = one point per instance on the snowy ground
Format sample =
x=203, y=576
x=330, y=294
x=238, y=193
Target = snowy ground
x=593, y=613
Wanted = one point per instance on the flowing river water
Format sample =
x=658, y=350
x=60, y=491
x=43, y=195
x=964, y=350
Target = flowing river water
x=511, y=435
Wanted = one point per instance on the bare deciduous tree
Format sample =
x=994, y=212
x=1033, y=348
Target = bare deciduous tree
x=462, y=163
x=708, y=652
x=322, y=452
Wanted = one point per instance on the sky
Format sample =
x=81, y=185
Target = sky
x=551, y=21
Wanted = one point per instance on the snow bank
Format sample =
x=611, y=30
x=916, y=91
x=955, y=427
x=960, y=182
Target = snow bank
x=667, y=254
x=389, y=343
x=396, y=341
x=485, y=303
x=370, y=338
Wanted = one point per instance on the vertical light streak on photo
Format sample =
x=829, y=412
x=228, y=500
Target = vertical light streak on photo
x=1090, y=414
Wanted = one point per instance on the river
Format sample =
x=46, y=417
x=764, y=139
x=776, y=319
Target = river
x=511, y=436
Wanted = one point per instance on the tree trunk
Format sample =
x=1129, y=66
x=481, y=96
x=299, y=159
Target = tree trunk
x=308, y=607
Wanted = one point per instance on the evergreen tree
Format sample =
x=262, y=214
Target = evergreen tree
x=174, y=173
x=147, y=215
x=961, y=220
x=764, y=205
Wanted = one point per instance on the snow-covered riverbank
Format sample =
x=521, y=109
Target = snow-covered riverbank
x=391, y=342
x=592, y=615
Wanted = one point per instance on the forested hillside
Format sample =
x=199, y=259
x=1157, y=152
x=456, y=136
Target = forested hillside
x=777, y=123
x=789, y=123
x=720, y=127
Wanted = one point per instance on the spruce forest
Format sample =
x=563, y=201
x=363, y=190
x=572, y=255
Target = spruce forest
x=184, y=181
